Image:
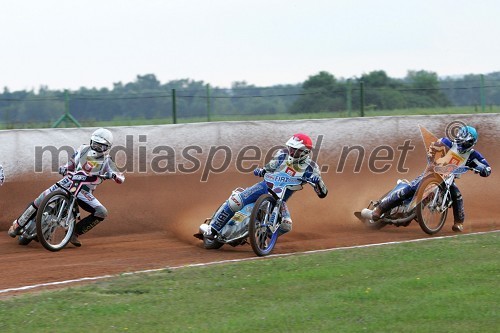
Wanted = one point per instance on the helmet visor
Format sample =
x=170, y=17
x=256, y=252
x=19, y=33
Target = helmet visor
x=99, y=147
x=297, y=152
x=464, y=145
x=465, y=141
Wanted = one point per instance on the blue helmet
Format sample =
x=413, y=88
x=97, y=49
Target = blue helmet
x=466, y=139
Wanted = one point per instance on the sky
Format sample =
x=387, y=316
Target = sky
x=61, y=44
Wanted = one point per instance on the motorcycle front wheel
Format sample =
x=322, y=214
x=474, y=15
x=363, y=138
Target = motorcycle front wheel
x=52, y=228
x=262, y=236
x=431, y=213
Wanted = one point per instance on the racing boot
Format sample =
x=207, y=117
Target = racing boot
x=221, y=217
x=458, y=208
x=82, y=227
x=376, y=213
x=74, y=240
x=394, y=199
x=286, y=220
x=21, y=221
x=285, y=226
x=458, y=227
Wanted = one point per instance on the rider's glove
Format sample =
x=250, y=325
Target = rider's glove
x=109, y=175
x=315, y=179
x=434, y=148
x=484, y=171
x=63, y=170
x=259, y=172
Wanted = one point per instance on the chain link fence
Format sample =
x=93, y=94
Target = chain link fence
x=180, y=105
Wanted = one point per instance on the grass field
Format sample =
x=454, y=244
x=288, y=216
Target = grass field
x=281, y=116
x=443, y=285
x=287, y=116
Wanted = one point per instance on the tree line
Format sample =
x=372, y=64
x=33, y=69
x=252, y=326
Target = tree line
x=147, y=98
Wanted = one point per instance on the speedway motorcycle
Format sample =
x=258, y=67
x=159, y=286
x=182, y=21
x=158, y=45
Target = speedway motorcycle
x=258, y=222
x=428, y=207
x=58, y=212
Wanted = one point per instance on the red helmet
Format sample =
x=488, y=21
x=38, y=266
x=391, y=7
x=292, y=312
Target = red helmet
x=299, y=146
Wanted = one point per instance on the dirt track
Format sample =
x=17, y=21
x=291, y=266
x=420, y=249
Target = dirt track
x=152, y=220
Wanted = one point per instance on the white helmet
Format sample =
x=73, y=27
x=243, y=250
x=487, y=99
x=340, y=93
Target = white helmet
x=100, y=142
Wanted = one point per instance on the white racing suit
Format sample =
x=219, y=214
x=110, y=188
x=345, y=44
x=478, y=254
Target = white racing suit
x=279, y=163
x=82, y=159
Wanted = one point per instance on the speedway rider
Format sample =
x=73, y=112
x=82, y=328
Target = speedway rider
x=94, y=159
x=293, y=160
x=2, y=175
x=461, y=150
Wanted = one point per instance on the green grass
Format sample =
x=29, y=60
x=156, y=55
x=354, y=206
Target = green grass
x=447, y=285
x=280, y=116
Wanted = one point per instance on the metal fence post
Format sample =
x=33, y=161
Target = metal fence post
x=208, y=102
x=348, y=98
x=362, y=98
x=174, y=108
x=483, y=99
x=66, y=115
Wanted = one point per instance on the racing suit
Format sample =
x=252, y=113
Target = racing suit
x=472, y=158
x=82, y=159
x=279, y=163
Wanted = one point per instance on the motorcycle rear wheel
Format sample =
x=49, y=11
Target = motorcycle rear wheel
x=429, y=218
x=262, y=238
x=52, y=232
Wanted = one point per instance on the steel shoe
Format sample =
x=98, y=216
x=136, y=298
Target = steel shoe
x=369, y=214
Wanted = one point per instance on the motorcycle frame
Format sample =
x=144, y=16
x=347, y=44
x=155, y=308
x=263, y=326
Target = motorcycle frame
x=279, y=203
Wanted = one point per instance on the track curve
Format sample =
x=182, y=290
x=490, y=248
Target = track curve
x=152, y=220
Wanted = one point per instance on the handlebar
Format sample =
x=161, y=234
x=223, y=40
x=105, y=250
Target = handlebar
x=466, y=168
x=307, y=180
x=88, y=178
x=72, y=173
x=282, y=176
x=474, y=169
